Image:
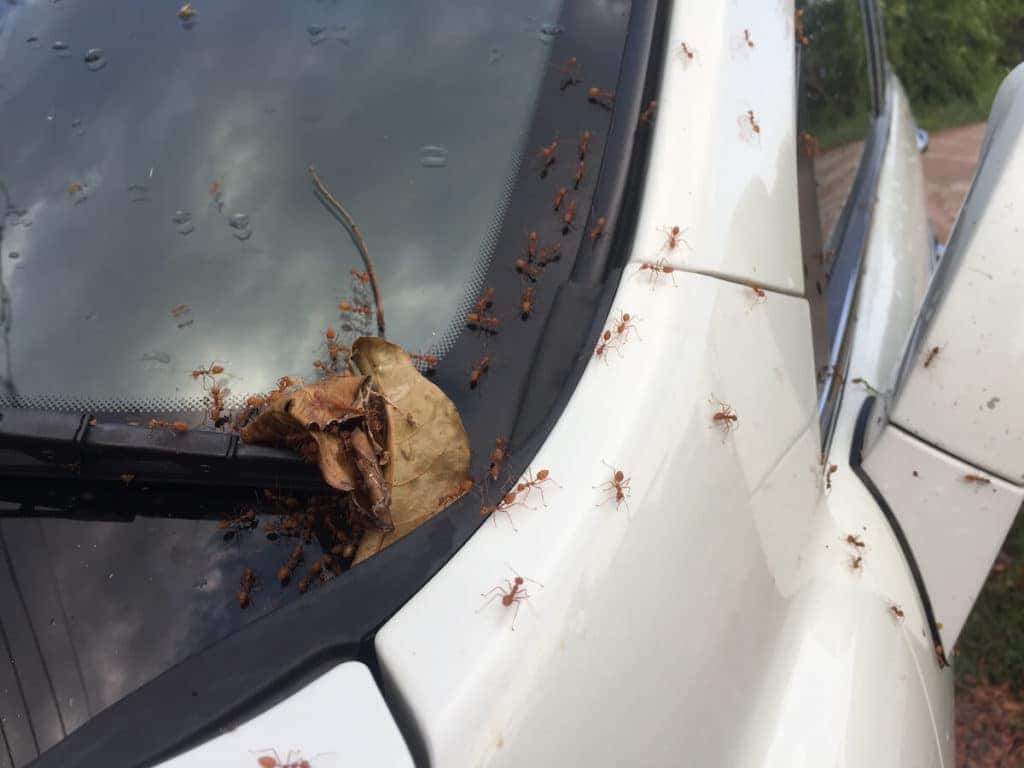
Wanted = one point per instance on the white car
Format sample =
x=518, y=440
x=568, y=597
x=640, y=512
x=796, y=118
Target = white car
x=763, y=444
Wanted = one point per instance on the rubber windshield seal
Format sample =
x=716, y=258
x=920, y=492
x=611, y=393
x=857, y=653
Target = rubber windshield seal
x=250, y=670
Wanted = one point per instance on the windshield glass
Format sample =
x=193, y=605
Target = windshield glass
x=159, y=213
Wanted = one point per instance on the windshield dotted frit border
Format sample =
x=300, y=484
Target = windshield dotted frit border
x=268, y=659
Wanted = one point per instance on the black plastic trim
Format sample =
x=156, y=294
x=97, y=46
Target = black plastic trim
x=856, y=464
x=245, y=673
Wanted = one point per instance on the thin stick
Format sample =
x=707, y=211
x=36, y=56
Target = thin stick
x=357, y=237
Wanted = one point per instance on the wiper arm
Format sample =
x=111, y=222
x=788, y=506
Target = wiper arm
x=45, y=444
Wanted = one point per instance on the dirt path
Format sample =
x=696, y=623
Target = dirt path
x=948, y=169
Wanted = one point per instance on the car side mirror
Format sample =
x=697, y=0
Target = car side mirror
x=947, y=453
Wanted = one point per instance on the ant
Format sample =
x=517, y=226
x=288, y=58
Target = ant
x=527, y=269
x=531, y=245
x=359, y=309
x=754, y=125
x=461, y=490
x=747, y=38
x=526, y=302
x=940, y=656
x=479, y=370
x=657, y=269
x=212, y=370
x=854, y=540
x=248, y=582
x=686, y=51
x=932, y=354
x=896, y=611
x=673, y=237
x=284, y=573
x=600, y=97
x=647, y=116
x=584, y=143
x=598, y=230
x=256, y=401
x=549, y=254
x=725, y=417
x=177, y=426
x=217, y=402
x=507, y=502
x=976, y=479
x=482, y=322
x=498, y=457
x=568, y=217
x=428, y=360
x=832, y=469
x=513, y=594
x=798, y=28
x=556, y=204
x=855, y=562
x=245, y=520
x=604, y=345
x=535, y=482
x=275, y=762
x=618, y=486
x=577, y=179
x=547, y=157
x=571, y=74
x=624, y=324
x=179, y=310
x=809, y=144
x=185, y=13
x=361, y=276
x=485, y=302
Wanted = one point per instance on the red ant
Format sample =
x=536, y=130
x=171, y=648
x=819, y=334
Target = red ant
x=212, y=370
x=976, y=479
x=809, y=144
x=932, y=354
x=600, y=97
x=217, y=402
x=604, y=345
x=177, y=426
x=498, y=457
x=657, y=269
x=854, y=541
x=855, y=562
x=284, y=573
x=685, y=50
x=179, y=310
x=532, y=482
x=547, y=157
x=513, y=594
x=531, y=245
x=361, y=276
x=623, y=325
x=598, y=229
x=247, y=583
x=577, y=179
x=527, y=269
x=584, y=143
x=648, y=114
x=832, y=469
x=571, y=73
x=507, y=502
x=526, y=302
x=485, y=302
x=479, y=370
x=359, y=309
x=568, y=217
x=754, y=125
x=798, y=28
x=673, y=237
x=725, y=417
x=760, y=296
x=617, y=487
x=747, y=38
x=896, y=611
x=549, y=254
x=487, y=323
x=428, y=360
x=275, y=762
x=245, y=520
x=556, y=204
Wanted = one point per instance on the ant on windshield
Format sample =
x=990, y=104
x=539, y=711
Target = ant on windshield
x=532, y=482
x=624, y=324
x=673, y=237
x=657, y=269
x=556, y=204
x=547, y=157
x=577, y=179
x=526, y=302
x=647, y=116
x=568, y=217
x=248, y=582
x=584, y=143
x=512, y=594
x=617, y=487
x=725, y=417
x=571, y=73
x=606, y=343
x=498, y=457
x=504, y=505
x=479, y=369
x=748, y=39
x=275, y=762
x=211, y=371
x=685, y=51
x=598, y=230
x=602, y=98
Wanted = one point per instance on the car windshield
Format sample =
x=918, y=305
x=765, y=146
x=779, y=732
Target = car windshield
x=159, y=210
x=160, y=215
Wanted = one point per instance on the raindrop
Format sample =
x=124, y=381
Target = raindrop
x=183, y=222
x=33, y=41
x=61, y=49
x=433, y=157
x=78, y=127
x=94, y=59
x=50, y=115
x=14, y=255
x=239, y=223
x=138, y=193
x=548, y=32
x=110, y=575
x=494, y=56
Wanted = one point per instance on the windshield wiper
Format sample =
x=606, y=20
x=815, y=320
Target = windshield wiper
x=48, y=445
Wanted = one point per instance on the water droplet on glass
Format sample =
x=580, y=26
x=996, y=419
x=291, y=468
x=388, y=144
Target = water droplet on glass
x=110, y=575
x=548, y=32
x=94, y=59
x=14, y=255
x=183, y=222
x=494, y=56
x=50, y=115
x=239, y=223
x=33, y=41
x=78, y=127
x=138, y=193
x=433, y=157
x=61, y=49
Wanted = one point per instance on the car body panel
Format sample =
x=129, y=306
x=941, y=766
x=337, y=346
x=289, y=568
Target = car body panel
x=733, y=190
x=968, y=400
x=340, y=719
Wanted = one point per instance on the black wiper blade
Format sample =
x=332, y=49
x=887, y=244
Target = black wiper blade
x=45, y=444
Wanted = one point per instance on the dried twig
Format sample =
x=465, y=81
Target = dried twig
x=357, y=238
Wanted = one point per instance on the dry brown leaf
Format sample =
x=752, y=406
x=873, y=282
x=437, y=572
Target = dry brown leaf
x=427, y=446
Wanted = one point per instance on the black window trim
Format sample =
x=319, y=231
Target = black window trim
x=267, y=660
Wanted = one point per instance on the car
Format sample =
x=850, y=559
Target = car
x=729, y=444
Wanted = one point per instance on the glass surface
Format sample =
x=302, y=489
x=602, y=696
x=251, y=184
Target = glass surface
x=837, y=100
x=152, y=161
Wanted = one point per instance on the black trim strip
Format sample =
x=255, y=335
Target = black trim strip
x=856, y=458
